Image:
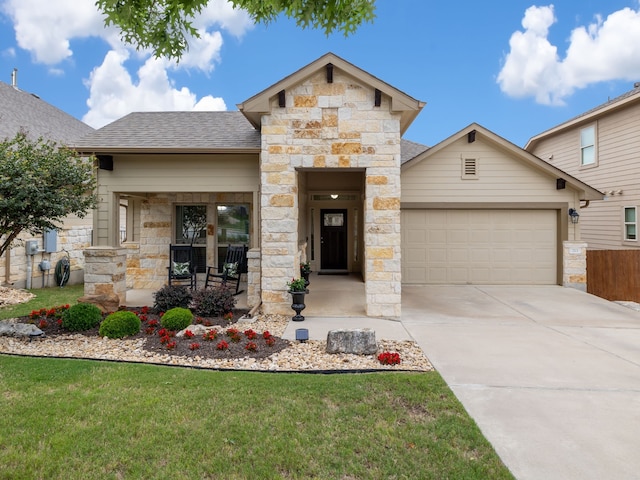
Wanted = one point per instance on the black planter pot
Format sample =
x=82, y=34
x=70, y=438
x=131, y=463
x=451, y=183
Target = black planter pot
x=305, y=275
x=297, y=305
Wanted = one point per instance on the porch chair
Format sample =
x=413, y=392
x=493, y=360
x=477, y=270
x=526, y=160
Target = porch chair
x=230, y=272
x=182, y=266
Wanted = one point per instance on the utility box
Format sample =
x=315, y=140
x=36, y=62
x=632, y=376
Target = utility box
x=50, y=241
x=31, y=247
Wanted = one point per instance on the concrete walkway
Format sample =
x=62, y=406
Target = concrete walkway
x=551, y=375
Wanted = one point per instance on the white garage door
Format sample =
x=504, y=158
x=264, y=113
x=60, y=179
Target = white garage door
x=491, y=247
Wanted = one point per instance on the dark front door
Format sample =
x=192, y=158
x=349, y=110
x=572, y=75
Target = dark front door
x=333, y=239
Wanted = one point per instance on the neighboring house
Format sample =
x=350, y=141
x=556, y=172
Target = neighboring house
x=314, y=167
x=601, y=148
x=23, y=111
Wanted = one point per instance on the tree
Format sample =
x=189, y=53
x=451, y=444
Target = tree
x=40, y=184
x=164, y=25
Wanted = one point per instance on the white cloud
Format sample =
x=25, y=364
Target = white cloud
x=46, y=28
x=114, y=94
x=602, y=51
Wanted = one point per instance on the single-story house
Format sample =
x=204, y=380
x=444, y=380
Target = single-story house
x=24, y=111
x=314, y=168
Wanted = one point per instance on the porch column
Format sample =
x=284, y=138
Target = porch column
x=105, y=272
x=382, y=243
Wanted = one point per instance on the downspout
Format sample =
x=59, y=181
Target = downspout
x=585, y=205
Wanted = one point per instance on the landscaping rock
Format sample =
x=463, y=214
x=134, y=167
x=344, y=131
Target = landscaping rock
x=356, y=341
x=198, y=330
x=106, y=303
x=9, y=328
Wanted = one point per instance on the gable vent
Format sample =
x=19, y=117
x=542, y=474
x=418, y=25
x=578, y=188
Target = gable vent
x=469, y=168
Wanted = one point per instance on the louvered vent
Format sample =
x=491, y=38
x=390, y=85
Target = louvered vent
x=469, y=168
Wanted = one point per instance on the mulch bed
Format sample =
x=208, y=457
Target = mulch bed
x=184, y=346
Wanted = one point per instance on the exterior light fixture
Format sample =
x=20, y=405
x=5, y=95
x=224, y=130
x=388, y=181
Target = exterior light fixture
x=334, y=196
x=302, y=334
x=574, y=215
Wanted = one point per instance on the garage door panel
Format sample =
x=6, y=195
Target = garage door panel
x=480, y=246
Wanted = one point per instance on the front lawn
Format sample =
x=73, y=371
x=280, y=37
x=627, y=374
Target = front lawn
x=80, y=419
x=44, y=298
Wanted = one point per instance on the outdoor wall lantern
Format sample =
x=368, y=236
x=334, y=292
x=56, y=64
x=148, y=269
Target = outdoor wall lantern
x=574, y=215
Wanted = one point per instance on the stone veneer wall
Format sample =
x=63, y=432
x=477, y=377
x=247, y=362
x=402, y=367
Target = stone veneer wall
x=105, y=270
x=74, y=240
x=148, y=256
x=574, y=268
x=331, y=126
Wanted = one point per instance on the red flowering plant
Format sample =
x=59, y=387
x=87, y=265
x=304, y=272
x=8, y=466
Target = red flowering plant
x=228, y=317
x=150, y=330
x=43, y=324
x=251, y=346
x=194, y=346
x=389, y=358
x=233, y=334
x=210, y=335
x=189, y=334
x=171, y=345
x=270, y=341
x=266, y=334
x=222, y=345
x=250, y=334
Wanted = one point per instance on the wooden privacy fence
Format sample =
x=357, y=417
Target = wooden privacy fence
x=614, y=274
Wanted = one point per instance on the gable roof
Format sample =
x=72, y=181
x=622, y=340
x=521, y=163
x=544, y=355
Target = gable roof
x=258, y=105
x=25, y=111
x=410, y=150
x=625, y=100
x=586, y=191
x=174, y=132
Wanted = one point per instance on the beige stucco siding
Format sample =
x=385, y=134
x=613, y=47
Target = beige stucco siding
x=615, y=173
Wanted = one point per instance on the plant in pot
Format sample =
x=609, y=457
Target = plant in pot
x=305, y=270
x=297, y=289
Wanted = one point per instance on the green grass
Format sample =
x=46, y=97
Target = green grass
x=80, y=419
x=44, y=298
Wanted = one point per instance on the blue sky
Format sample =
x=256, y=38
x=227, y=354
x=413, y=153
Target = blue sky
x=515, y=67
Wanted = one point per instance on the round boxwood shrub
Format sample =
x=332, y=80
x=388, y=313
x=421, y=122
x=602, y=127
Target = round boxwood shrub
x=80, y=317
x=171, y=296
x=213, y=302
x=120, y=324
x=177, y=319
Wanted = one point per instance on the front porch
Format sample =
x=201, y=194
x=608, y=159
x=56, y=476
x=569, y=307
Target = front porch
x=340, y=296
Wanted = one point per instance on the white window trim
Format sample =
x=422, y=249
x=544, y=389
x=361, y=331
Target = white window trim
x=595, y=146
x=625, y=223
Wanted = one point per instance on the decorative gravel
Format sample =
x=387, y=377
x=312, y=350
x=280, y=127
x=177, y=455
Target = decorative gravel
x=284, y=356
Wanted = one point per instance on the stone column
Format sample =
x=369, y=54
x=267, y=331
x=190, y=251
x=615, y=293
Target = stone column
x=574, y=265
x=253, y=277
x=105, y=272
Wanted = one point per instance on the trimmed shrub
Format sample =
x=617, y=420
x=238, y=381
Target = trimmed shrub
x=120, y=324
x=213, y=302
x=173, y=296
x=177, y=319
x=80, y=317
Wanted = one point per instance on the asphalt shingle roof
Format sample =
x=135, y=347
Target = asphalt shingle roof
x=24, y=111
x=409, y=150
x=174, y=131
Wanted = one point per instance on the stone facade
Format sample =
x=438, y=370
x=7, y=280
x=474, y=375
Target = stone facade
x=73, y=239
x=574, y=268
x=331, y=126
x=105, y=272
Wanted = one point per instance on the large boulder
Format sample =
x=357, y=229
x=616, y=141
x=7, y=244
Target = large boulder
x=107, y=303
x=11, y=328
x=360, y=341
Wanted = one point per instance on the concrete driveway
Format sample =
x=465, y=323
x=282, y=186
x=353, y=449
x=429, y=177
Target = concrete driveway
x=551, y=375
